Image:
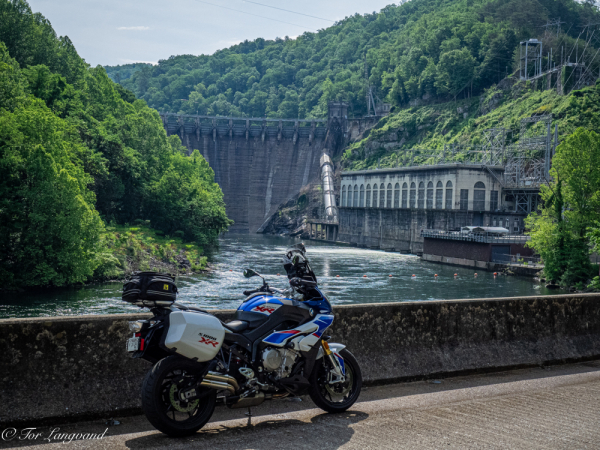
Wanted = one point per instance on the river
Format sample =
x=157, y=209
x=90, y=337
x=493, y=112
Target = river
x=340, y=271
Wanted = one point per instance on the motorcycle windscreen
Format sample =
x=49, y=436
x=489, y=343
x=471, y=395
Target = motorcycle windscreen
x=195, y=336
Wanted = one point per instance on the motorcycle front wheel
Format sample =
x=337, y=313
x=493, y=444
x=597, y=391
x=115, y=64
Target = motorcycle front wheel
x=161, y=403
x=335, y=398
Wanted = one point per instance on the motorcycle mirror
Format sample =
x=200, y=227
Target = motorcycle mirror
x=249, y=273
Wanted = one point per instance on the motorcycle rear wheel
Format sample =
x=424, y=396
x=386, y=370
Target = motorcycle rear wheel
x=339, y=397
x=160, y=402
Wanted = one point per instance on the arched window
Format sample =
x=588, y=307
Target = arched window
x=362, y=196
x=413, y=195
x=368, y=199
x=449, y=198
x=355, y=198
x=439, y=195
x=397, y=196
x=421, y=196
x=430, y=195
x=479, y=197
x=382, y=195
x=344, y=196
x=375, y=196
x=405, y=195
x=389, y=196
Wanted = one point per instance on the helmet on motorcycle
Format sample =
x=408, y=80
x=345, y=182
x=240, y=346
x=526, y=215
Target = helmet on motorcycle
x=296, y=265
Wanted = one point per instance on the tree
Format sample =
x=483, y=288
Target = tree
x=594, y=237
x=186, y=199
x=49, y=229
x=571, y=204
x=455, y=71
x=75, y=147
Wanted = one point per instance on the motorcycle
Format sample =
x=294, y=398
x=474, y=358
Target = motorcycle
x=275, y=347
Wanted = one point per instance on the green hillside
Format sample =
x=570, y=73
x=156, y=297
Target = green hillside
x=432, y=49
x=124, y=71
x=413, y=135
x=78, y=151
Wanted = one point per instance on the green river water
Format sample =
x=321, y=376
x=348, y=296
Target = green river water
x=340, y=271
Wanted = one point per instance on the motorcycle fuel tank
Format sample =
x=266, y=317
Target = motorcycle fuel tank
x=194, y=335
x=262, y=304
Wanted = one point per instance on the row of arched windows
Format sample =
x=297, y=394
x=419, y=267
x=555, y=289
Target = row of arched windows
x=378, y=196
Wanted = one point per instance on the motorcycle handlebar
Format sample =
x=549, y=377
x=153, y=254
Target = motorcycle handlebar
x=251, y=292
x=269, y=289
x=300, y=282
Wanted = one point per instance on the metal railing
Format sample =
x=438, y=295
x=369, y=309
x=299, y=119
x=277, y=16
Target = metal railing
x=475, y=237
x=517, y=260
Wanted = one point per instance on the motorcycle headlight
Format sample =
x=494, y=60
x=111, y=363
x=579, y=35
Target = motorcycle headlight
x=136, y=326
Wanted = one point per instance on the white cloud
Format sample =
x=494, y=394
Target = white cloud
x=133, y=28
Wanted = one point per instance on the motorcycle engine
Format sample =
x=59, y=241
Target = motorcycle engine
x=279, y=361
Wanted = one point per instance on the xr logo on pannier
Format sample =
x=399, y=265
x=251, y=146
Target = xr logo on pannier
x=208, y=342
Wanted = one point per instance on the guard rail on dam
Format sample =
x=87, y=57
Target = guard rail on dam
x=59, y=367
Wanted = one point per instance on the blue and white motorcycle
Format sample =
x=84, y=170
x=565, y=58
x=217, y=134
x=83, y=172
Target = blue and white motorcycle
x=275, y=347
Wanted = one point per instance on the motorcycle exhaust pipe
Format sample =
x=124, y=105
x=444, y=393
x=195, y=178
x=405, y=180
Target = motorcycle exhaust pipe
x=215, y=376
x=217, y=385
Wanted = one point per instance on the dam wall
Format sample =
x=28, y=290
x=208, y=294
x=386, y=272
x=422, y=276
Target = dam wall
x=57, y=368
x=258, y=163
x=261, y=163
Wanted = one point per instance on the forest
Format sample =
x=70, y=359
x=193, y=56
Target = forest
x=432, y=49
x=80, y=156
x=89, y=180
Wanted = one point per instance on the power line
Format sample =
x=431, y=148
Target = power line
x=255, y=15
x=287, y=10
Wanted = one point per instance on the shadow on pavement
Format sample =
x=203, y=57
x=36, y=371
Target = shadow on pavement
x=325, y=431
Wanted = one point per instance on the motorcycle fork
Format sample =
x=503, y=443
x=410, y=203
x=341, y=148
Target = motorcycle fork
x=337, y=373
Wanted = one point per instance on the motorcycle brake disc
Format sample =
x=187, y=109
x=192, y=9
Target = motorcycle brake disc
x=179, y=405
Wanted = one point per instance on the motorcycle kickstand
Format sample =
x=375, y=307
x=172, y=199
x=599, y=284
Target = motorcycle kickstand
x=249, y=414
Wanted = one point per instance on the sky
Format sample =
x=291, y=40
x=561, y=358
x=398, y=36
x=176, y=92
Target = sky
x=111, y=32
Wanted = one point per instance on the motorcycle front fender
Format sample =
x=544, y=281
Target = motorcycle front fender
x=334, y=347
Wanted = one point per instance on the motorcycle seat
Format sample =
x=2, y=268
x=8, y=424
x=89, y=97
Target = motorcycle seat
x=237, y=326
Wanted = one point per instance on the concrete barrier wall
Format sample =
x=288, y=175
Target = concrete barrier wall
x=60, y=367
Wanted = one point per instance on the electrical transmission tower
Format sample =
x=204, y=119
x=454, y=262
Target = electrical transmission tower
x=530, y=59
x=493, y=147
x=528, y=163
x=552, y=23
x=370, y=98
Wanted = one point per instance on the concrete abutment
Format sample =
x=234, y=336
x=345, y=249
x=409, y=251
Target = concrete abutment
x=69, y=367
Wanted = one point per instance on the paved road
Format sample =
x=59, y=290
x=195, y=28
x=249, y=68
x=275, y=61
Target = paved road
x=542, y=408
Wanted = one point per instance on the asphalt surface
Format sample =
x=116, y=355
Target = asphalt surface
x=556, y=407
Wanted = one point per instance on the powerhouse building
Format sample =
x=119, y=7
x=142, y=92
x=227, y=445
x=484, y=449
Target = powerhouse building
x=388, y=208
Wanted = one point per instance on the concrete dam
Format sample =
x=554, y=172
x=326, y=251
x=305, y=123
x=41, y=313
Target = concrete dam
x=260, y=163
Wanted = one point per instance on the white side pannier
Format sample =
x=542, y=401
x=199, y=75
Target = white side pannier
x=195, y=336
